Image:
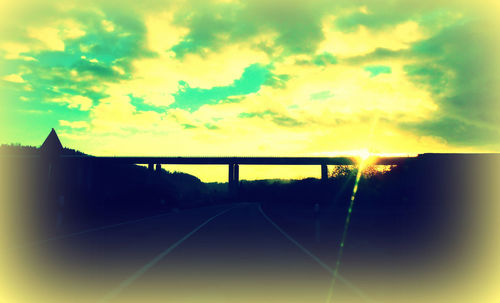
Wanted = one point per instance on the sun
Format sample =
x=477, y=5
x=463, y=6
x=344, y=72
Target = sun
x=364, y=154
x=364, y=158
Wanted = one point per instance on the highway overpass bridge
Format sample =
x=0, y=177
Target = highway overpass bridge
x=52, y=152
x=233, y=163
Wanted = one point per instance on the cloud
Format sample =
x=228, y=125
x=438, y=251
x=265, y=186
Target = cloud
x=74, y=124
x=278, y=119
x=352, y=92
x=36, y=38
x=365, y=40
x=457, y=131
x=162, y=33
x=13, y=51
x=156, y=80
x=117, y=115
x=75, y=101
x=249, y=82
x=15, y=78
x=108, y=25
x=220, y=68
x=49, y=37
x=380, y=16
x=375, y=70
x=460, y=68
x=295, y=25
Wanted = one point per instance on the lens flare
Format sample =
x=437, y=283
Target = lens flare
x=364, y=157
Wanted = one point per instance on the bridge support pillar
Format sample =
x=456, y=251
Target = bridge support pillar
x=324, y=172
x=150, y=167
x=233, y=176
x=236, y=175
x=158, y=168
x=230, y=174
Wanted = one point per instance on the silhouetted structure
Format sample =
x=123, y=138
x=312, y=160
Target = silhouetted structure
x=52, y=145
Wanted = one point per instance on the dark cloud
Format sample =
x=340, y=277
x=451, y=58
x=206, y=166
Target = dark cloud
x=188, y=126
x=211, y=126
x=277, y=81
x=297, y=24
x=456, y=132
x=276, y=118
x=429, y=76
x=322, y=95
x=461, y=73
x=379, y=54
x=375, y=70
x=323, y=59
x=380, y=15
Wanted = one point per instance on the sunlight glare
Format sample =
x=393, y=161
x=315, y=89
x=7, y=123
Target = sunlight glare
x=364, y=158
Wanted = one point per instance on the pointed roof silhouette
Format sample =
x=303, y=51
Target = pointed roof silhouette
x=52, y=144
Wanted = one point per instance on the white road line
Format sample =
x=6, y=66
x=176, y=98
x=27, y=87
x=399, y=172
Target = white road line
x=359, y=292
x=116, y=291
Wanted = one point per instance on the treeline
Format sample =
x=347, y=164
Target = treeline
x=18, y=149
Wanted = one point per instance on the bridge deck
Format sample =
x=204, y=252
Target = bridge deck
x=245, y=160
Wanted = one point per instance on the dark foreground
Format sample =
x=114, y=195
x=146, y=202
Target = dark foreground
x=417, y=234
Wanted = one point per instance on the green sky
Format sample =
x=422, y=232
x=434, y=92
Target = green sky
x=251, y=77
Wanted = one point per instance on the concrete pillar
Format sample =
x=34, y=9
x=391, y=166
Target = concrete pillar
x=324, y=172
x=158, y=168
x=150, y=167
x=230, y=174
x=236, y=174
x=234, y=177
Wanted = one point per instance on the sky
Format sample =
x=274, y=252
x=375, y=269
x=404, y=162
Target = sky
x=239, y=78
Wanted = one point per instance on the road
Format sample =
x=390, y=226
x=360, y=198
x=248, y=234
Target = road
x=225, y=253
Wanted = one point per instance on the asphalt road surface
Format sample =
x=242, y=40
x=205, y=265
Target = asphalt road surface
x=244, y=252
x=233, y=253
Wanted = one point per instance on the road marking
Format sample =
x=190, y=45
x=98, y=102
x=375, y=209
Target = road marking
x=315, y=258
x=116, y=291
